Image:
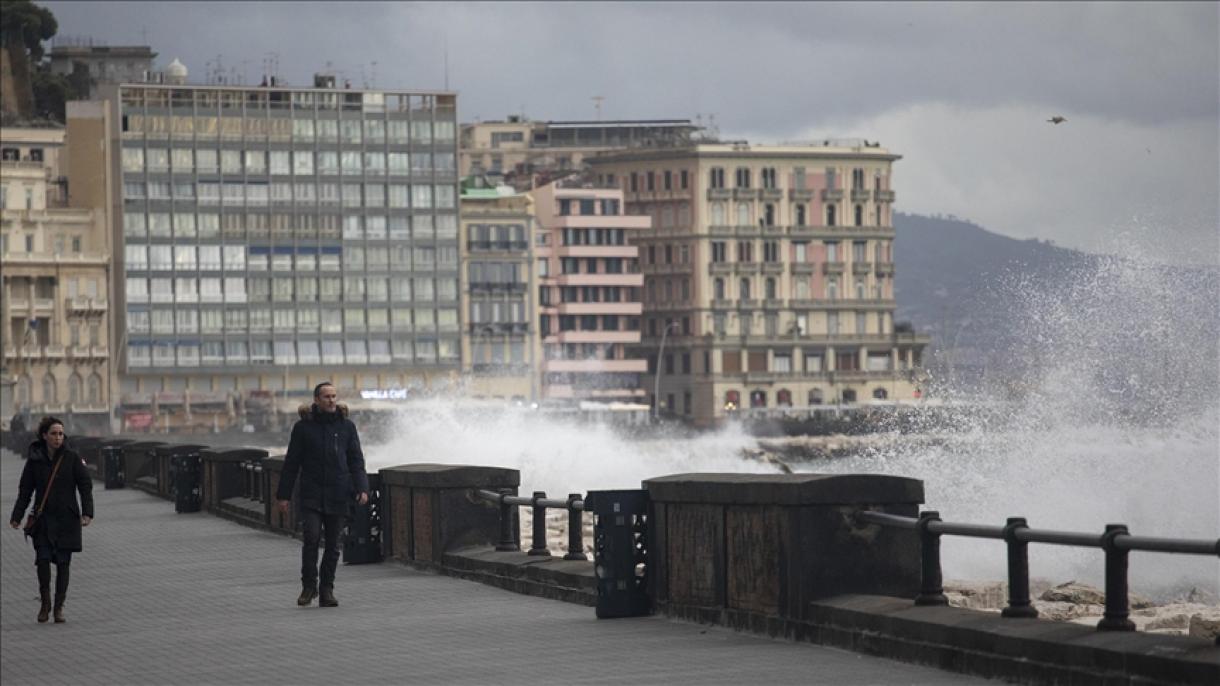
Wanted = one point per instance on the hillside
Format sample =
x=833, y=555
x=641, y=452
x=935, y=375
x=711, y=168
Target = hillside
x=958, y=282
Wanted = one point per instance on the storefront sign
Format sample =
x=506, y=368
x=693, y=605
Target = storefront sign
x=384, y=394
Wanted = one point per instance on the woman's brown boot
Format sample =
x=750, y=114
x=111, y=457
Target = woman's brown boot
x=59, y=611
x=44, y=589
x=44, y=611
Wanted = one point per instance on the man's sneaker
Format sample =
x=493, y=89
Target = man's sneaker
x=328, y=599
x=308, y=593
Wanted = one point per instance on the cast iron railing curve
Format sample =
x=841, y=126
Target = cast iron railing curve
x=1116, y=541
x=539, y=503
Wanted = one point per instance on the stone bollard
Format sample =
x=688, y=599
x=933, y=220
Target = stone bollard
x=428, y=509
x=746, y=549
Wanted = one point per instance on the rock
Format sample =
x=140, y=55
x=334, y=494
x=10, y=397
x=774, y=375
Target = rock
x=1072, y=592
x=1204, y=625
x=1064, y=611
x=1200, y=596
x=1139, y=602
x=977, y=595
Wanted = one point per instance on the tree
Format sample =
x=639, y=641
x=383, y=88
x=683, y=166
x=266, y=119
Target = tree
x=23, y=28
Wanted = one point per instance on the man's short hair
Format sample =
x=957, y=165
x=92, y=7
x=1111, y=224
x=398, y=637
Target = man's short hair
x=317, y=390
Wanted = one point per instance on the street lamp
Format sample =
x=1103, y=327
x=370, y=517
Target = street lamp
x=656, y=384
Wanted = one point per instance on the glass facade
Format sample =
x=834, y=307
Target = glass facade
x=267, y=226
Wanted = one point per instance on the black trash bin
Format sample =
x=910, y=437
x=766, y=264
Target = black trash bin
x=620, y=552
x=113, y=466
x=188, y=471
x=363, y=542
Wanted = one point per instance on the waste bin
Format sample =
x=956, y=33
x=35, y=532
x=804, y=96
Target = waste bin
x=620, y=552
x=363, y=542
x=187, y=470
x=112, y=467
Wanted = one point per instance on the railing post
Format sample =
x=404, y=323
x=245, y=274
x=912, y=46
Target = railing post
x=1018, y=572
x=538, y=545
x=508, y=542
x=931, y=588
x=1117, y=605
x=575, y=531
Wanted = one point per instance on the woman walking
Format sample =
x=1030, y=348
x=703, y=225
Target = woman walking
x=53, y=474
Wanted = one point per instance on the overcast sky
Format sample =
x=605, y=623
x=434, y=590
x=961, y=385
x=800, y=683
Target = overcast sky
x=961, y=90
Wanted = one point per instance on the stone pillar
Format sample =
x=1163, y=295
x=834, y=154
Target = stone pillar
x=428, y=509
x=740, y=548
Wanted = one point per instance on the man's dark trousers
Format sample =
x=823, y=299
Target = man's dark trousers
x=313, y=523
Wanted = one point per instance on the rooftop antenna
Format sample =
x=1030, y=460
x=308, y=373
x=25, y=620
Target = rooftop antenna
x=374, y=73
x=597, y=105
x=446, y=44
x=143, y=35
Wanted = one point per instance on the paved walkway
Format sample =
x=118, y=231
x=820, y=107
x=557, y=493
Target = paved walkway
x=159, y=598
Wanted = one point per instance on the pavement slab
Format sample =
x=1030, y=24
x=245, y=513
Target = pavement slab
x=165, y=598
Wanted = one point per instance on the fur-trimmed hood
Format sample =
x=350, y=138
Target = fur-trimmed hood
x=306, y=410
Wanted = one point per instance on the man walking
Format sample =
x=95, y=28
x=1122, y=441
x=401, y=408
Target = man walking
x=325, y=450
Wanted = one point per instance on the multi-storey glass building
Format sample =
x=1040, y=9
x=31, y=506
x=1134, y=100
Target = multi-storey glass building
x=274, y=237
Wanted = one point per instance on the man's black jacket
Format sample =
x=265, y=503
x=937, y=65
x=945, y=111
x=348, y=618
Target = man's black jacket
x=325, y=451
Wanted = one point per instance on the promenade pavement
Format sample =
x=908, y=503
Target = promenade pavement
x=160, y=598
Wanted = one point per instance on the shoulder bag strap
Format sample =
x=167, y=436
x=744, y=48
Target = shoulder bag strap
x=50, y=481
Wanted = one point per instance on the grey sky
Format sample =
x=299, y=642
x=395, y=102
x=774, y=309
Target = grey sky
x=961, y=90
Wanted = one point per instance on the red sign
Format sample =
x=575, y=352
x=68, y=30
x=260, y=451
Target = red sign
x=139, y=420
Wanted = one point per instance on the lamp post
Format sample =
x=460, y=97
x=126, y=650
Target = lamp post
x=656, y=384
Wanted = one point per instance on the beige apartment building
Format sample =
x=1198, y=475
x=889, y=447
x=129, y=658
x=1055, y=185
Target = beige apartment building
x=588, y=294
x=769, y=274
x=520, y=147
x=55, y=261
x=500, y=344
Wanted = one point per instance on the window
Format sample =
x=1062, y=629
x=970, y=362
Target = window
x=768, y=177
x=716, y=177
x=744, y=289
x=742, y=177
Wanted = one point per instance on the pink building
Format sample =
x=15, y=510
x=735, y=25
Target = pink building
x=589, y=296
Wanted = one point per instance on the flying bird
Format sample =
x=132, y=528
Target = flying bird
x=1057, y=119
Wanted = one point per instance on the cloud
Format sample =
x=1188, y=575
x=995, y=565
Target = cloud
x=961, y=89
x=1092, y=182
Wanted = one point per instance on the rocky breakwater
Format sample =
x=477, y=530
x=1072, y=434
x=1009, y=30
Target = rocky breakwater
x=1193, y=613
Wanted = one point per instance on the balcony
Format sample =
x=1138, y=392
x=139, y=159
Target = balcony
x=595, y=366
x=772, y=194
x=598, y=337
x=720, y=268
x=800, y=231
x=773, y=304
x=627, y=251
x=600, y=280
x=54, y=352
x=81, y=304
x=885, y=268
x=859, y=195
x=747, y=304
x=748, y=230
x=44, y=306
x=627, y=308
x=832, y=194
x=745, y=194
x=802, y=267
x=800, y=195
x=861, y=268
x=763, y=377
x=80, y=352
x=885, y=196
x=720, y=230
x=719, y=194
x=18, y=306
x=722, y=304
x=832, y=268
x=748, y=267
x=773, y=267
x=772, y=230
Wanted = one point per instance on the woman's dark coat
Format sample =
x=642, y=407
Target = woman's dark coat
x=325, y=450
x=61, y=516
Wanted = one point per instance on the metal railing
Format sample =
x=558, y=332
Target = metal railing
x=1117, y=542
x=539, y=503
